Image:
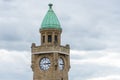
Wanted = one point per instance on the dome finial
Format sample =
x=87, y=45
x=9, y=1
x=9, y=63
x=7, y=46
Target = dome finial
x=50, y=5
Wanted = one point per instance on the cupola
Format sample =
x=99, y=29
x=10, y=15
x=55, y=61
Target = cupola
x=50, y=29
x=50, y=20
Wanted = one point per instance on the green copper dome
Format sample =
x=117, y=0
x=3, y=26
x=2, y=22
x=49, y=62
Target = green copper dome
x=50, y=20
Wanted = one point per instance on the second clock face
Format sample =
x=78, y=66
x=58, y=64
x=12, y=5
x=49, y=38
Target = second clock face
x=61, y=64
x=44, y=63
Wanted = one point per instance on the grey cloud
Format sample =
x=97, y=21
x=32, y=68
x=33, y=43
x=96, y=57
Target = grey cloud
x=87, y=25
x=7, y=0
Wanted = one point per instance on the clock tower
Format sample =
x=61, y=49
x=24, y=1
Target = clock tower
x=50, y=60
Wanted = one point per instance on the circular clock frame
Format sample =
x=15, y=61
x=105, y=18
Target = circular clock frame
x=44, y=63
x=61, y=63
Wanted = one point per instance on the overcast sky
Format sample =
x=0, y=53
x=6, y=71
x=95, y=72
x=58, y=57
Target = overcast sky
x=91, y=27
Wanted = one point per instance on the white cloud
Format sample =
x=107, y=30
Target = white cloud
x=110, y=77
x=107, y=58
x=15, y=65
x=95, y=65
x=85, y=65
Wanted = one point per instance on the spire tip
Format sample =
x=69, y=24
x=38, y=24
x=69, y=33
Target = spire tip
x=50, y=5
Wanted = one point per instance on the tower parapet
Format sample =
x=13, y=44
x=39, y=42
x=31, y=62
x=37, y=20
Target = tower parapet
x=50, y=49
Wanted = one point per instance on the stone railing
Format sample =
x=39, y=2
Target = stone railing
x=38, y=49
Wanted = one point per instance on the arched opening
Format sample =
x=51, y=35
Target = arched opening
x=49, y=38
x=56, y=38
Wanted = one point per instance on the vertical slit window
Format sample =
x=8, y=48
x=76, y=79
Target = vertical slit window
x=43, y=39
x=49, y=38
x=56, y=38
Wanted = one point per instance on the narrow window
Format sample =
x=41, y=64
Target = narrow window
x=49, y=38
x=43, y=39
x=56, y=39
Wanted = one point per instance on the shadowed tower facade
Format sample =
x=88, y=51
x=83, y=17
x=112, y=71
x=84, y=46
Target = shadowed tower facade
x=50, y=60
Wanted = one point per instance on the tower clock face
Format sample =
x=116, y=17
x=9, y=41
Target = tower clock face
x=44, y=63
x=61, y=64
